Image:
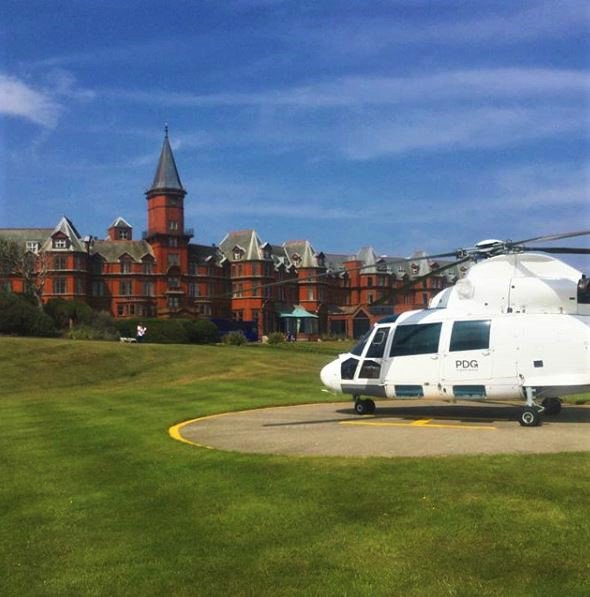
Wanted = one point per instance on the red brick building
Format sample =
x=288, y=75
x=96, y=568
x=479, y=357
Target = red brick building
x=288, y=287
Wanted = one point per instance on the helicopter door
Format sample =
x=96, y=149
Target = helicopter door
x=467, y=366
x=414, y=366
x=369, y=373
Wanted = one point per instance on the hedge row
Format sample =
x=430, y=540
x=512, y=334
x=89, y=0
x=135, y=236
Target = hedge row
x=171, y=331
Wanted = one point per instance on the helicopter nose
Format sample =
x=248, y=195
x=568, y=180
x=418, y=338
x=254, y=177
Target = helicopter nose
x=330, y=376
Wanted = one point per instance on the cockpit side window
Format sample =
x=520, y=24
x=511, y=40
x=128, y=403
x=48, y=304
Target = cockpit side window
x=470, y=335
x=377, y=347
x=415, y=339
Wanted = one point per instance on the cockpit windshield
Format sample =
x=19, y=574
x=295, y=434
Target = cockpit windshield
x=360, y=345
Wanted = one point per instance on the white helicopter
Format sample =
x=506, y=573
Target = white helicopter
x=517, y=327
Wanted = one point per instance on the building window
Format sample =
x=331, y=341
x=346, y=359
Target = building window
x=120, y=310
x=124, y=234
x=237, y=315
x=173, y=259
x=97, y=266
x=173, y=241
x=310, y=293
x=173, y=282
x=148, y=267
x=173, y=302
x=193, y=289
x=370, y=298
x=60, y=262
x=125, y=266
x=148, y=288
x=78, y=262
x=80, y=286
x=97, y=288
x=370, y=282
x=60, y=243
x=172, y=225
x=125, y=287
x=33, y=246
x=192, y=268
x=59, y=285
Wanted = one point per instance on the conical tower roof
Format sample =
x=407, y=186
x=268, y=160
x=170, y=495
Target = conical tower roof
x=166, y=178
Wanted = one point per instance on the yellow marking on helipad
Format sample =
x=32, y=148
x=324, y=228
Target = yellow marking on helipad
x=426, y=423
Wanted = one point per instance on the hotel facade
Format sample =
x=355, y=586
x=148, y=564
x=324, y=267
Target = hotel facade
x=288, y=287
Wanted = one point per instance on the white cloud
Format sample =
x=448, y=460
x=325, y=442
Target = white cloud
x=21, y=100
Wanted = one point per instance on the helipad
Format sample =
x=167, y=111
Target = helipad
x=411, y=428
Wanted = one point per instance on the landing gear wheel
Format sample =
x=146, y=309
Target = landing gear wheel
x=529, y=417
x=364, y=407
x=552, y=406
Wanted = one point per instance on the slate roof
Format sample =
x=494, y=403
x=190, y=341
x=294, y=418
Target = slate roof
x=120, y=223
x=245, y=240
x=22, y=235
x=166, y=177
x=68, y=229
x=112, y=251
x=205, y=254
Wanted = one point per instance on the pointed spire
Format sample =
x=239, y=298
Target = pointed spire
x=166, y=178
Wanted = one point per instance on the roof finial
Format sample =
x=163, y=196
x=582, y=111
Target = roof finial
x=166, y=130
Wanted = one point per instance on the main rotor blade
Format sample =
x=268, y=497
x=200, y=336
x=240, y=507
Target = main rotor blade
x=561, y=250
x=549, y=237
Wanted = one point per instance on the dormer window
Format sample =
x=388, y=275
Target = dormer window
x=125, y=266
x=296, y=259
x=124, y=233
x=33, y=246
x=238, y=253
x=60, y=243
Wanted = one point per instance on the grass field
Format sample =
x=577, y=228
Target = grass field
x=96, y=499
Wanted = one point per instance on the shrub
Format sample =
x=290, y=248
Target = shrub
x=18, y=316
x=235, y=338
x=276, y=338
x=202, y=331
x=67, y=313
x=159, y=331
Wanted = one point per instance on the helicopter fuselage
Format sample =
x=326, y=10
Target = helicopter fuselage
x=444, y=354
x=516, y=327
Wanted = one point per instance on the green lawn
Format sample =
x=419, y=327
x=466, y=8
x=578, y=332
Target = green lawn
x=96, y=499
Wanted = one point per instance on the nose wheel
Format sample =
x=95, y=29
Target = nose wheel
x=363, y=406
x=531, y=413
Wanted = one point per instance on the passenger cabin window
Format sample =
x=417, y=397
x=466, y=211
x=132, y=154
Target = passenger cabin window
x=377, y=347
x=470, y=335
x=415, y=339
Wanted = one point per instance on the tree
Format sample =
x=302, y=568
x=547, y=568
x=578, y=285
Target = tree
x=31, y=267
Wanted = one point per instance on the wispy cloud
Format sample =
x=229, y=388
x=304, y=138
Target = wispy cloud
x=20, y=100
x=42, y=103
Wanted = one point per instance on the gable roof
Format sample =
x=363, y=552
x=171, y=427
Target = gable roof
x=65, y=227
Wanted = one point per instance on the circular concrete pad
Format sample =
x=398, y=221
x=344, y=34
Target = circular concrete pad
x=408, y=428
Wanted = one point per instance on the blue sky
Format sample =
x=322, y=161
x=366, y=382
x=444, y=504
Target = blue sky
x=401, y=124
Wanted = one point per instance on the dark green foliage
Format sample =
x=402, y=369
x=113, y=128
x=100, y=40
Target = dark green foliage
x=81, y=321
x=235, y=338
x=202, y=331
x=67, y=313
x=18, y=316
x=171, y=331
x=276, y=338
